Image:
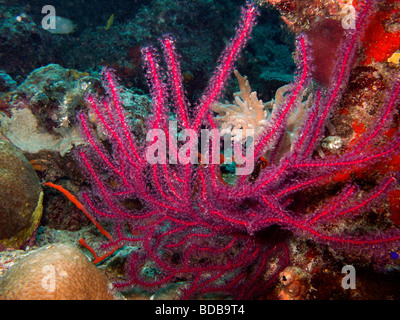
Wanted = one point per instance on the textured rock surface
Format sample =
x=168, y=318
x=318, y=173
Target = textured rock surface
x=55, y=272
x=20, y=197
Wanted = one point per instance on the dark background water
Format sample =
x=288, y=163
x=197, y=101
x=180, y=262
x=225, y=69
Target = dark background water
x=202, y=29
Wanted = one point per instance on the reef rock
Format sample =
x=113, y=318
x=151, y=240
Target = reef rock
x=21, y=197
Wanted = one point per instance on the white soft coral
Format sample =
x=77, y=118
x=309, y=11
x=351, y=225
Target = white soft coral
x=246, y=112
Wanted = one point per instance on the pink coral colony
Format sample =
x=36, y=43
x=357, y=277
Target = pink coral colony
x=188, y=224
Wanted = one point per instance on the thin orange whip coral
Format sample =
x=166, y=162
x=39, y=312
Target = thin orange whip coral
x=82, y=241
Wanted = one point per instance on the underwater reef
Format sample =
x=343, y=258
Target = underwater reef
x=277, y=199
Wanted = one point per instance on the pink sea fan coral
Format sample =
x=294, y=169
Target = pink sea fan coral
x=188, y=224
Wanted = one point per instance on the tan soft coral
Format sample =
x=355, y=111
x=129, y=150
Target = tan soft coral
x=55, y=272
x=246, y=112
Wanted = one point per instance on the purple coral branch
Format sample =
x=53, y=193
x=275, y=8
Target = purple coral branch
x=277, y=124
x=175, y=77
x=224, y=69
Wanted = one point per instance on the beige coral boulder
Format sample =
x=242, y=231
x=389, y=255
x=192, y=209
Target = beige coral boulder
x=21, y=197
x=55, y=272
